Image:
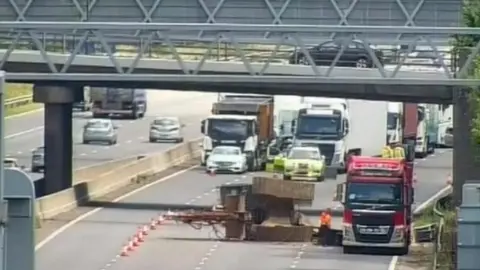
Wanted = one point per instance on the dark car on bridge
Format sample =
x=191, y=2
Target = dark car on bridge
x=354, y=55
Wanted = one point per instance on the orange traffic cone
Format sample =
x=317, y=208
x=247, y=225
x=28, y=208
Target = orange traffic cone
x=130, y=246
x=145, y=230
x=140, y=237
x=124, y=252
x=135, y=241
x=160, y=219
x=153, y=224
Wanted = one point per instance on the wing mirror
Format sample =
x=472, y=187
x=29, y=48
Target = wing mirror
x=340, y=193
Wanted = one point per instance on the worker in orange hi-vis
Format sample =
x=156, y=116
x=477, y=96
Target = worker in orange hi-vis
x=325, y=225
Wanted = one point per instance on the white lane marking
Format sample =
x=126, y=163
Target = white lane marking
x=94, y=151
x=65, y=227
x=19, y=152
x=83, y=154
x=129, y=141
x=207, y=256
x=298, y=257
x=393, y=263
x=23, y=132
x=25, y=113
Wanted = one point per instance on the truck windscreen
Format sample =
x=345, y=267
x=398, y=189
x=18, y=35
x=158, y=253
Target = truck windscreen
x=374, y=193
x=228, y=129
x=392, y=120
x=323, y=125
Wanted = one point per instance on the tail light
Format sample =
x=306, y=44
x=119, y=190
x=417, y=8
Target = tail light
x=347, y=216
x=399, y=218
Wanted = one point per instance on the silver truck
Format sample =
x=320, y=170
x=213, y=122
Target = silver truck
x=123, y=102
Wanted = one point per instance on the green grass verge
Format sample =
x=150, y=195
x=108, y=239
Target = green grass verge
x=428, y=217
x=17, y=90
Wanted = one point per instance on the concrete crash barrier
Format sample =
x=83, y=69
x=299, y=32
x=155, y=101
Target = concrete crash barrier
x=117, y=177
x=91, y=172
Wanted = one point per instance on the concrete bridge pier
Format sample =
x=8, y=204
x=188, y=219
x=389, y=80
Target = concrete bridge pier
x=58, y=135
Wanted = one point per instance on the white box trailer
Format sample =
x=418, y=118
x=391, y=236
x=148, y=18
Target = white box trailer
x=368, y=126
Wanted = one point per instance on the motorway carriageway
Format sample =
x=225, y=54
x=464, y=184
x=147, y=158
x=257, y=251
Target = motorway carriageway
x=24, y=133
x=94, y=242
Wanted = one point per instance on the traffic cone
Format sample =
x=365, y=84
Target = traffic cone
x=145, y=230
x=124, y=252
x=140, y=237
x=160, y=219
x=153, y=224
x=135, y=241
x=130, y=246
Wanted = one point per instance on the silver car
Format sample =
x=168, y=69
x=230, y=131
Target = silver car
x=38, y=159
x=227, y=159
x=100, y=130
x=166, y=129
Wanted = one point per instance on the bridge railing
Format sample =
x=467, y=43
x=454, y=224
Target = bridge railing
x=257, y=52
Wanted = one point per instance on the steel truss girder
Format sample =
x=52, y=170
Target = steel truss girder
x=227, y=32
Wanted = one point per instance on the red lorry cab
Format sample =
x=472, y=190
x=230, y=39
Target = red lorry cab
x=377, y=203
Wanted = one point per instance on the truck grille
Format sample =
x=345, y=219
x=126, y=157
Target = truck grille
x=328, y=150
x=372, y=221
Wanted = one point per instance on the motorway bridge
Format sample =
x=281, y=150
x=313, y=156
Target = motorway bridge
x=98, y=236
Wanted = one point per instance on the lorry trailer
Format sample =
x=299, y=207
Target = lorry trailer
x=125, y=102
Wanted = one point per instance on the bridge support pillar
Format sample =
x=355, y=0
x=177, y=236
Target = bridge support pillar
x=58, y=135
x=463, y=152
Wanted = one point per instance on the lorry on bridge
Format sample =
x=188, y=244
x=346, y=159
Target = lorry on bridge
x=341, y=128
x=377, y=198
x=124, y=102
x=240, y=120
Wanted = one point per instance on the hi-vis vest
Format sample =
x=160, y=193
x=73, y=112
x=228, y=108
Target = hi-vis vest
x=325, y=220
x=399, y=153
x=387, y=152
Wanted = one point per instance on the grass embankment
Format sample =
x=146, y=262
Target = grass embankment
x=15, y=90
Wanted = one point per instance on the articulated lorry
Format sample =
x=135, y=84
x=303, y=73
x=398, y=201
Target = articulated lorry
x=377, y=198
x=342, y=127
x=426, y=130
x=131, y=103
x=240, y=120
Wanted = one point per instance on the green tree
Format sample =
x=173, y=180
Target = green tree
x=462, y=45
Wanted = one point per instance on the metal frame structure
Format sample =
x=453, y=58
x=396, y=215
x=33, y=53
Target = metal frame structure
x=432, y=13
x=195, y=70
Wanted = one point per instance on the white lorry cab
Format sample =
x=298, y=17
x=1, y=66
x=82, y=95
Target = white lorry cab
x=341, y=127
x=324, y=123
x=228, y=130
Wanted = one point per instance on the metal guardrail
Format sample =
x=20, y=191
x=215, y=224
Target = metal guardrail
x=18, y=101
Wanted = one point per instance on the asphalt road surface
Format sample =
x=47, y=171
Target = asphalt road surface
x=99, y=237
x=25, y=133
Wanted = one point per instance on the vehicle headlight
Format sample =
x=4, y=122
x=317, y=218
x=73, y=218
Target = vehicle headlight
x=398, y=234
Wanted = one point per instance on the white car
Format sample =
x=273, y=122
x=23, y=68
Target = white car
x=227, y=159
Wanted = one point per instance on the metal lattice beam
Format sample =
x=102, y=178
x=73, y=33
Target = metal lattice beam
x=58, y=64
x=436, y=13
